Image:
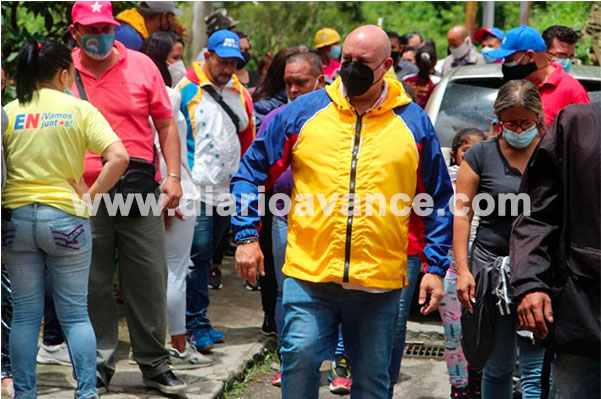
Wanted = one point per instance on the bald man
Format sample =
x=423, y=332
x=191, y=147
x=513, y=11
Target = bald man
x=346, y=261
x=462, y=50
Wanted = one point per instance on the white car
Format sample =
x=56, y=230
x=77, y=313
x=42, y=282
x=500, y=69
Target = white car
x=465, y=97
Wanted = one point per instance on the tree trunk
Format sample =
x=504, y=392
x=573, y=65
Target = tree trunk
x=471, y=13
x=525, y=12
x=200, y=9
x=488, y=15
x=593, y=28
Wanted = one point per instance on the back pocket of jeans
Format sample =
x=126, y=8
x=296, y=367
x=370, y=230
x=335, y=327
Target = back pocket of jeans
x=9, y=232
x=70, y=233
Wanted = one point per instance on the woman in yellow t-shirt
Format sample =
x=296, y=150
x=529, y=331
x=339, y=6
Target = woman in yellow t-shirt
x=44, y=221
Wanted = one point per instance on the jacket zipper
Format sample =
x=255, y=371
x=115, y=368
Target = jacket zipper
x=351, y=209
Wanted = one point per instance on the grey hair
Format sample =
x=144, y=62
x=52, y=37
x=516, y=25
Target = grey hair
x=311, y=58
x=520, y=93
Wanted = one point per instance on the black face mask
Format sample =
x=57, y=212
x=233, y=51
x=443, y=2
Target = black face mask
x=518, y=72
x=395, y=56
x=357, y=77
x=241, y=64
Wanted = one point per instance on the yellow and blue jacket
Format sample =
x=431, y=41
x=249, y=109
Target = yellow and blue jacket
x=335, y=153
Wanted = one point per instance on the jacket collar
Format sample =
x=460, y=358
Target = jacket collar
x=393, y=96
x=196, y=75
x=134, y=19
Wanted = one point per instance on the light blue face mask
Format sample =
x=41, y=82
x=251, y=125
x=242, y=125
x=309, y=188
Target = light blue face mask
x=565, y=64
x=488, y=58
x=520, y=140
x=99, y=46
x=335, y=52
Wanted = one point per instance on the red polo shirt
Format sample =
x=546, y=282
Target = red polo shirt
x=128, y=93
x=560, y=89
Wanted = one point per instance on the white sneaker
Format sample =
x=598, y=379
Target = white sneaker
x=54, y=354
x=130, y=357
x=188, y=359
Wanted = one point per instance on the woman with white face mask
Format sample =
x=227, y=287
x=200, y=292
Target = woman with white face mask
x=166, y=50
x=495, y=168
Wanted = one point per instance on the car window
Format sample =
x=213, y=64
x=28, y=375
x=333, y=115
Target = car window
x=593, y=87
x=469, y=103
x=466, y=104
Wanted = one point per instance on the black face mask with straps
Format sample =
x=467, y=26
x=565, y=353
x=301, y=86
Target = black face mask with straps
x=241, y=64
x=357, y=77
x=517, y=72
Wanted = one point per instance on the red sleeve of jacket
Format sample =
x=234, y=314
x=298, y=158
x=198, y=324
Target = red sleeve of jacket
x=247, y=136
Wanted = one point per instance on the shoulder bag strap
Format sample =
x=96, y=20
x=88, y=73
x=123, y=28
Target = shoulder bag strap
x=80, y=88
x=209, y=89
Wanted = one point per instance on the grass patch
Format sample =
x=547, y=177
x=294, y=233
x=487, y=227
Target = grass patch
x=257, y=369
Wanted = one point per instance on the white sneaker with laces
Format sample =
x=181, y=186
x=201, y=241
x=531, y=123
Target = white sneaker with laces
x=190, y=358
x=54, y=354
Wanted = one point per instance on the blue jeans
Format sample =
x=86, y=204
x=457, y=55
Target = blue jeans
x=7, y=315
x=575, y=377
x=498, y=372
x=208, y=232
x=38, y=237
x=312, y=314
x=52, y=332
x=413, y=264
x=279, y=241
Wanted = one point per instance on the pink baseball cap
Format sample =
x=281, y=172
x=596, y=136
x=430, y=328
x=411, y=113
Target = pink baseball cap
x=93, y=12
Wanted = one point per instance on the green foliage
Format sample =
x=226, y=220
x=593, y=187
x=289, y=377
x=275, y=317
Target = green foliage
x=273, y=25
x=258, y=370
x=572, y=14
x=36, y=20
x=431, y=19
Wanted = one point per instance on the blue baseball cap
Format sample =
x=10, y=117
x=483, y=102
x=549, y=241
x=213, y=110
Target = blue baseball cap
x=523, y=38
x=225, y=43
x=496, y=32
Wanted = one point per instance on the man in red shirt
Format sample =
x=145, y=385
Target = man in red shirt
x=525, y=56
x=127, y=88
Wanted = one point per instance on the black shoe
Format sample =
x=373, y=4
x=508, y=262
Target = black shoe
x=215, y=279
x=166, y=382
x=460, y=393
x=474, y=383
x=101, y=387
x=269, y=327
x=250, y=287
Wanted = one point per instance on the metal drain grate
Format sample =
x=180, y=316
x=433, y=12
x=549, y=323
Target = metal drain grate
x=421, y=350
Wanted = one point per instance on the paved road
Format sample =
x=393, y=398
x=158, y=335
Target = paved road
x=238, y=313
x=419, y=379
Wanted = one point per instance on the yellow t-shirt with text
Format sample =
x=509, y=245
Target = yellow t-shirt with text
x=45, y=145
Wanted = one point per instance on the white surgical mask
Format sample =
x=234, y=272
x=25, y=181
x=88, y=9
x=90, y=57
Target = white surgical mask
x=177, y=70
x=461, y=51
